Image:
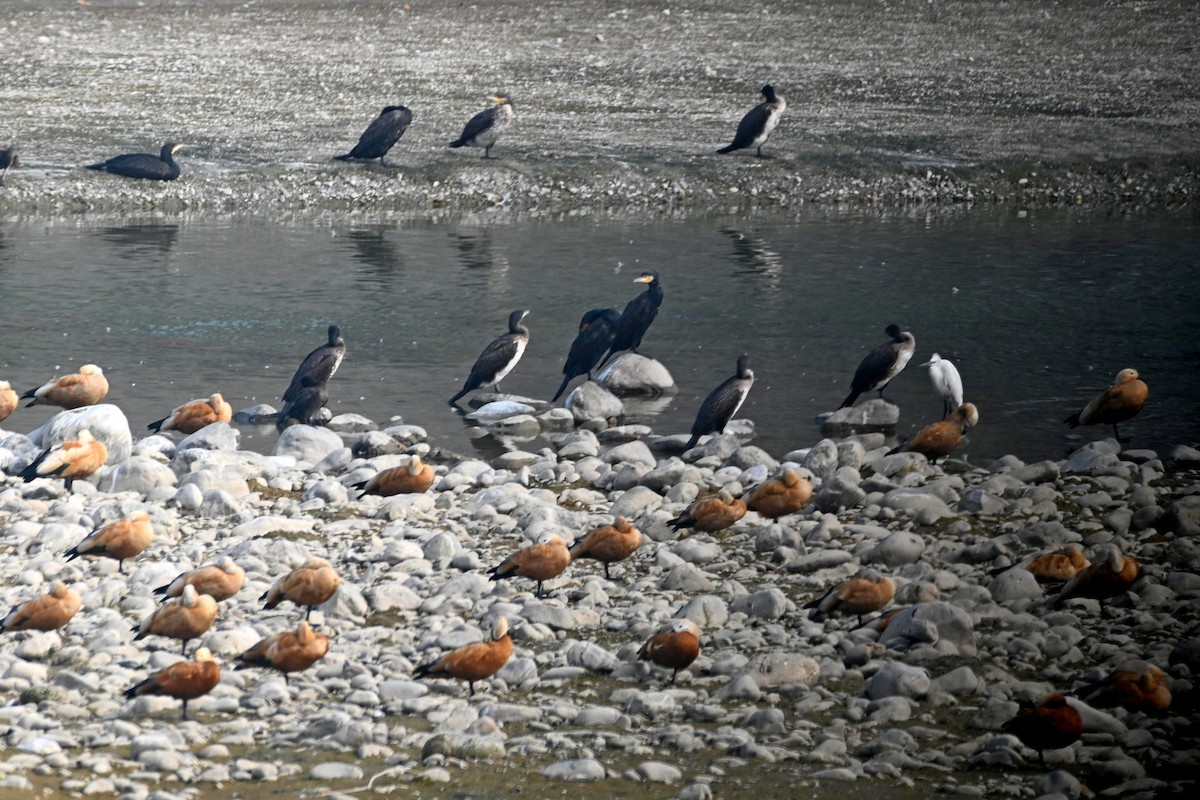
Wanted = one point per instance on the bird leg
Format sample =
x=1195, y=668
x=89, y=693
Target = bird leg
x=185, y=716
x=606, y=576
x=471, y=688
x=183, y=650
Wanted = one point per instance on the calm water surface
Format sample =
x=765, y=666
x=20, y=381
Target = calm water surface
x=1038, y=311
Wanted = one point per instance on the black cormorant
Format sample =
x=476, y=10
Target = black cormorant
x=596, y=330
x=380, y=135
x=485, y=127
x=499, y=357
x=755, y=128
x=723, y=402
x=319, y=365
x=8, y=160
x=637, y=316
x=161, y=167
x=882, y=364
x=306, y=402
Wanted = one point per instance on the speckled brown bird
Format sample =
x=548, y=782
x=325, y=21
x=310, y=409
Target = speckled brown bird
x=72, y=460
x=715, y=512
x=194, y=415
x=1050, y=725
x=84, y=388
x=781, y=496
x=542, y=561
x=674, y=648
x=1143, y=688
x=1059, y=566
x=122, y=539
x=184, y=681
x=939, y=439
x=1120, y=402
x=1102, y=579
x=287, y=651
x=411, y=478
x=220, y=581
x=8, y=400
x=868, y=592
x=476, y=661
x=608, y=544
x=185, y=618
x=309, y=586
x=49, y=612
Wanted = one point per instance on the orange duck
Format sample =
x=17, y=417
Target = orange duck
x=675, y=648
x=860, y=595
x=192, y=416
x=781, y=496
x=309, y=585
x=125, y=538
x=184, y=681
x=77, y=458
x=287, y=651
x=1059, y=566
x=1050, y=725
x=609, y=544
x=49, y=612
x=1141, y=689
x=8, y=400
x=220, y=581
x=185, y=618
x=1108, y=578
x=411, y=478
x=84, y=388
x=712, y=513
x=542, y=561
x=476, y=661
x=1120, y=402
x=939, y=439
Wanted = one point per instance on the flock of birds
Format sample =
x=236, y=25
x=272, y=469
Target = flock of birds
x=483, y=130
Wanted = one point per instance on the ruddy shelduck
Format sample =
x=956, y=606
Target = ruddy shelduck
x=309, y=586
x=8, y=400
x=608, y=544
x=194, y=415
x=675, y=648
x=1118, y=403
x=939, y=439
x=72, y=460
x=287, y=651
x=860, y=595
x=411, y=478
x=781, y=496
x=1103, y=579
x=1143, y=688
x=715, y=512
x=220, y=581
x=185, y=618
x=84, y=388
x=1050, y=725
x=184, y=681
x=476, y=661
x=542, y=561
x=49, y=612
x=1058, y=566
x=122, y=539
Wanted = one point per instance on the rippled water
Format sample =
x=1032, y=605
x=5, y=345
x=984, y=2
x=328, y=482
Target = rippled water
x=1038, y=311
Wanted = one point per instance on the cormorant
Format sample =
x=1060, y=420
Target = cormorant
x=380, y=135
x=161, y=167
x=947, y=383
x=755, y=128
x=595, y=335
x=637, y=316
x=499, y=357
x=484, y=129
x=309, y=399
x=1120, y=402
x=8, y=160
x=723, y=402
x=319, y=365
x=882, y=364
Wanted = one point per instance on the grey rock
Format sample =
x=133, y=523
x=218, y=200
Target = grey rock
x=218, y=503
x=707, y=611
x=779, y=669
x=769, y=603
x=658, y=772
x=978, y=501
x=217, y=436
x=631, y=453
x=686, y=578
x=897, y=679
x=871, y=415
x=590, y=400
x=1014, y=584
x=635, y=501
x=634, y=374
x=139, y=474
x=896, y=550
x=335, y=771
x=822, y=459
x=840, y=492
x=945, y=622
x=306, y=443
x=581, y=769
x=105, y=421
x=1183, y=517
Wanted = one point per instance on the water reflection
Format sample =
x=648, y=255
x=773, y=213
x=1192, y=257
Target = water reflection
x=374, y=247
x=136, y=242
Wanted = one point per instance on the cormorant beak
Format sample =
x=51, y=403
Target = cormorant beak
x=644, y=279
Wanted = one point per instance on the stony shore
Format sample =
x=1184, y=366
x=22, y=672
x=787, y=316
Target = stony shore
x=775, y=700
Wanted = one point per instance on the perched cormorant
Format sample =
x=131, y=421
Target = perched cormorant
x=161, y=167
x=595, y=335
x=947, y=383
x=882, y=364
x=499, y=357
x=755, y=128
x=319, y=365
x=380, y=135
x=484, y=129
x=1120, y=402
x=307, y=401
x=8, y=160
x=637, y=316
x=723, y=402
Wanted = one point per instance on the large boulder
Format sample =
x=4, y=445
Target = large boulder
x=307, y=443
x=105, y=422
x=634, y=374
x=590, y=400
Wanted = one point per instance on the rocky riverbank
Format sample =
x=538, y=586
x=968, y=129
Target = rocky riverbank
x=775, y=699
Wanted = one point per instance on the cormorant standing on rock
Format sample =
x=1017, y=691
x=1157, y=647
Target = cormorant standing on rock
x=307, y=400
x=723, y=402
x=380, y=135
x=484, y=129
x=318, y=366
x=499, y=357
x=755, y=128
x=161, y=167
x=882, y=364
x=595, y=335
x=8, y=160
x=637, y=316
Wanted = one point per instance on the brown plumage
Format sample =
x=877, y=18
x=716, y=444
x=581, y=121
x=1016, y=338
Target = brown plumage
x=1050, y=725
x=411, y=478
x=1142, y=689
x=675, y=648
x=309, y=586
x=781, y=496
x=609, y=543
x=475, y=661
x=84, y=388
x=1059, y=566
x=542, y=561
x=939, y=439
x=1120, y=402
x=861, y=595
x=287, y=651
x=49, y=612
x=194, y=415
x=74, y=459
x=8, y=400
x=713, y=513
x=184, y=681
x=185, y=618
x=220, y=581
x=122, y=539
x=1102, y=580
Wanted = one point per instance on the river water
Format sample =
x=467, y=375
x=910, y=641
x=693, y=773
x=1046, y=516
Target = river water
x=1039, y=311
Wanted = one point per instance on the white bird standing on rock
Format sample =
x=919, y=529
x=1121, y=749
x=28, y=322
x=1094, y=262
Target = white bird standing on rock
x=947, y=383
